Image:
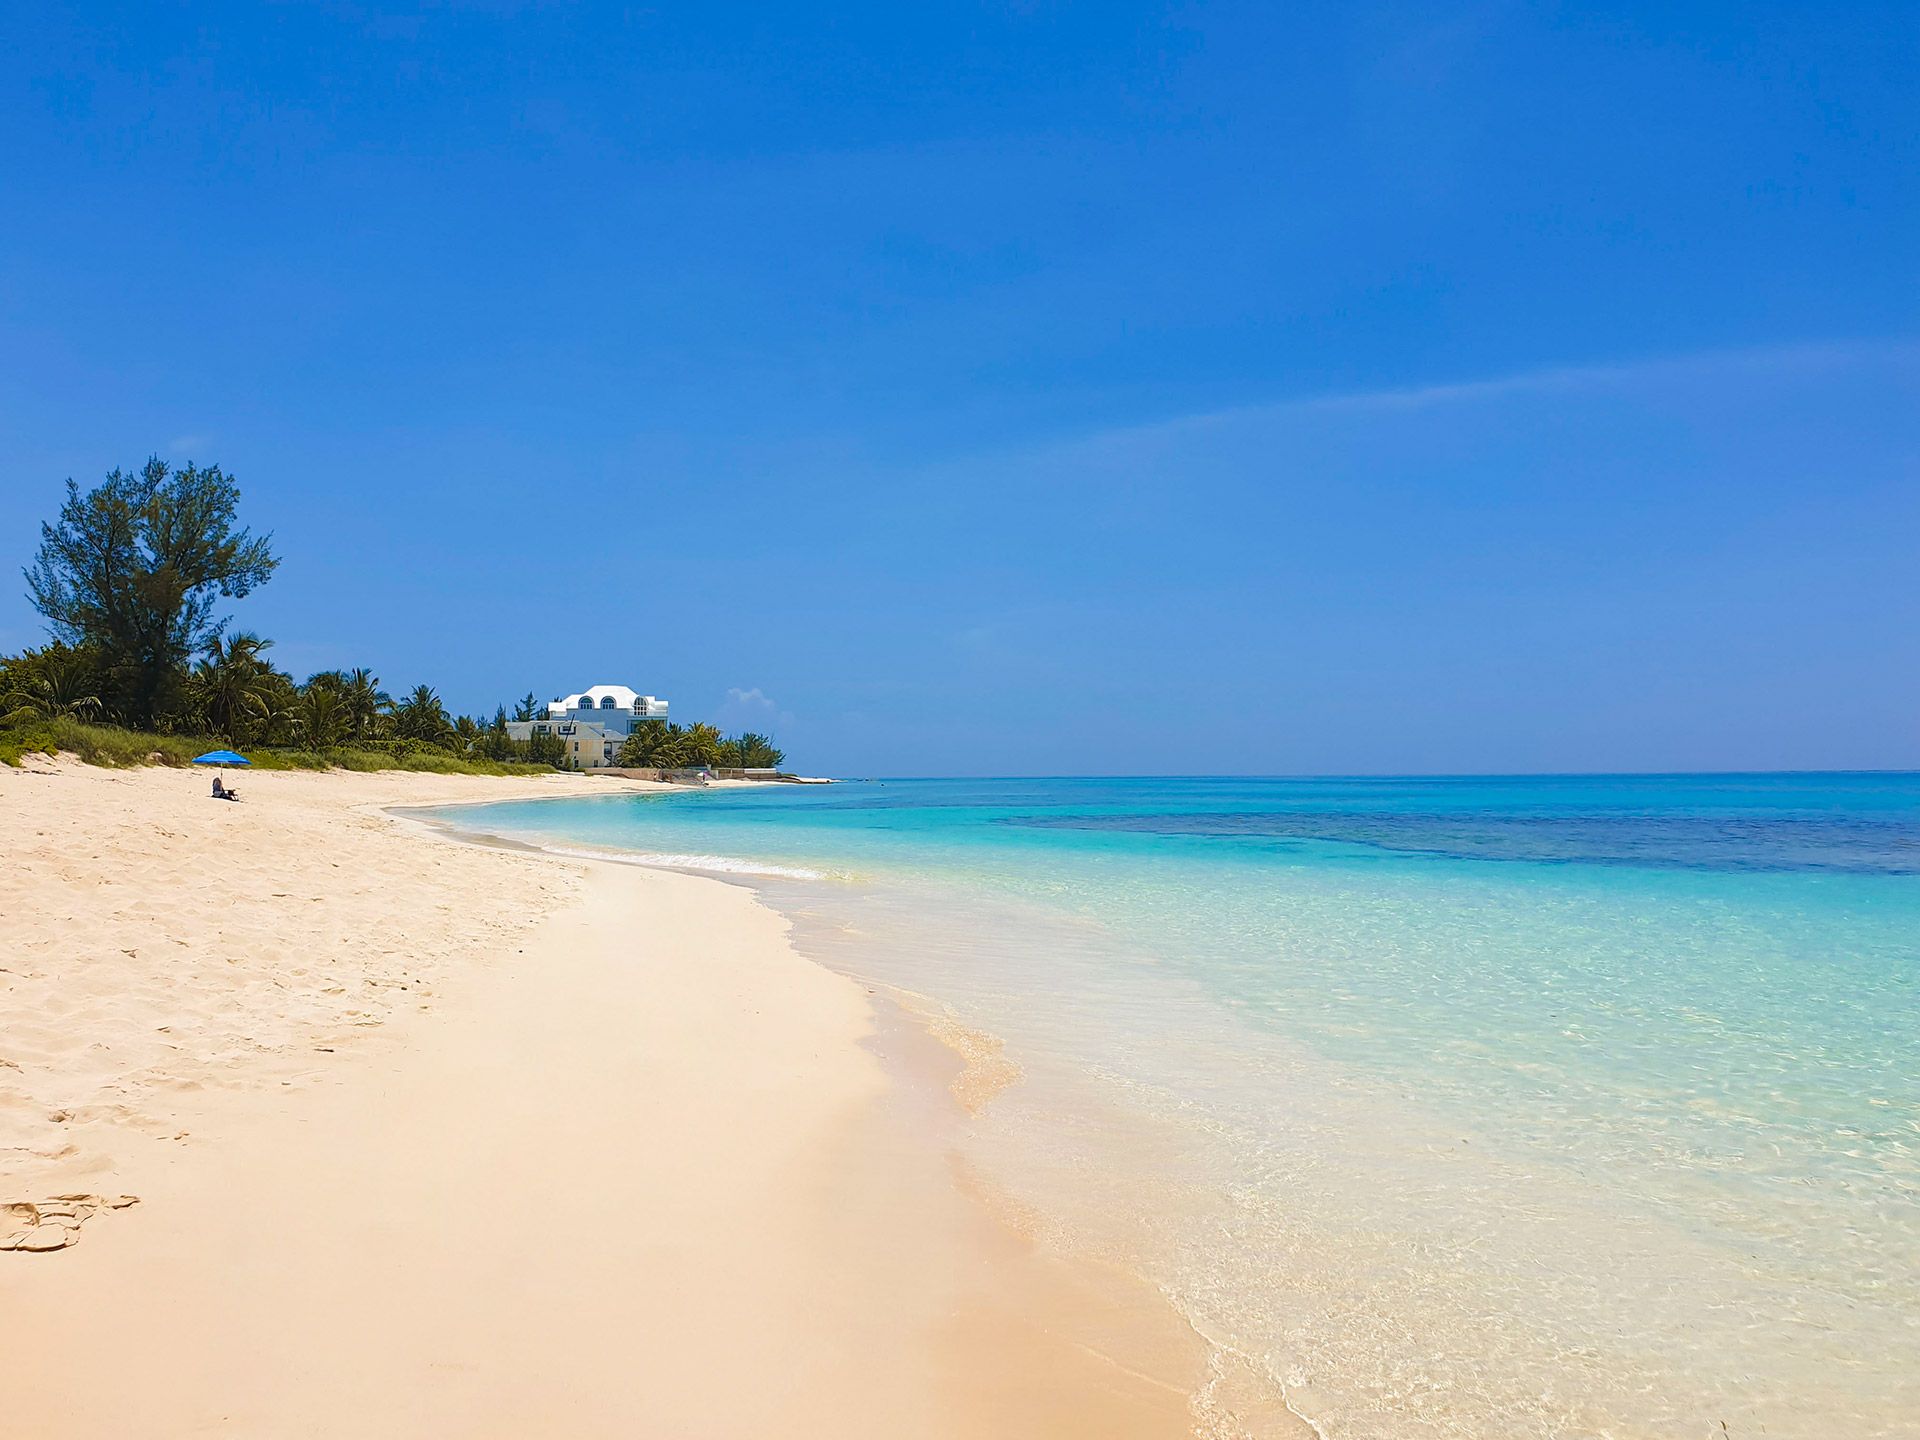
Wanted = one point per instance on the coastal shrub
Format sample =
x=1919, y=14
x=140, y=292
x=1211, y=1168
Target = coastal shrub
x=114, y=747
x=107, y=745
x=368, y=760
x=16, y=747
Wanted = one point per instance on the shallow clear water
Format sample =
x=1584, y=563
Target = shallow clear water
x=1575, y=1106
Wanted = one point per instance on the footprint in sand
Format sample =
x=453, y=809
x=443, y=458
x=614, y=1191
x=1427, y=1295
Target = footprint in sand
x=54, y=1223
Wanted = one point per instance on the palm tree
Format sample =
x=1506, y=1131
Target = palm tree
x=54, y=688
x=421, y=716
x=231, y=687
x=649, y=745
x=279, y=707
x=751, y=751
x=662, y=745
x=367, y=704
x=320, y=717
x=702, y=744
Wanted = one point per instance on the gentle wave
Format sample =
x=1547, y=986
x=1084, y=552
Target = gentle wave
x=715, y=864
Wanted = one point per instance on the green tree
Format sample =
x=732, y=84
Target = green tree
x=422, y=717
x=281, y=697
x=751, y=752
x=367, y=704
x=702, y=744
x=57, y=683
x=527, y=708
x=541, y=750
x=659, y=744
x=233, y=690
x=653, y=744
x=360, y=695
x=320, y=717
x=136, y=568
x=493, y=742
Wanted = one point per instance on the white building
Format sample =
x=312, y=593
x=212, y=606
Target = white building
x=613, y=707
x=592, y=723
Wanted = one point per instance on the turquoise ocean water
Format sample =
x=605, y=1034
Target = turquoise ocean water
x=1477, y=1107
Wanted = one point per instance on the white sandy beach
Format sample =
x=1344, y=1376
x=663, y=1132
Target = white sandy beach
x=314, y=1123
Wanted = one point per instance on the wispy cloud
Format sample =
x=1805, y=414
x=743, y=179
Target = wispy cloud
x=1809, y=357
x=752, y=709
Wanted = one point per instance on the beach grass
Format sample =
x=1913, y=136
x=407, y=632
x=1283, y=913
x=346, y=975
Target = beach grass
x=113, y=747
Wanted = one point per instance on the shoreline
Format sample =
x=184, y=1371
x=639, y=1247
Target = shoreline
x=553, y=1145
x=1235, y=1398
x=1369, y=1255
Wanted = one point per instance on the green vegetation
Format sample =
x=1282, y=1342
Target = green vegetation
x=109, y=745
x=661, y=745
x=134, y=569
x=141, y=669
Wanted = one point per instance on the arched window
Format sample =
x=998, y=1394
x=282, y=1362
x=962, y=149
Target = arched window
x=606, y=702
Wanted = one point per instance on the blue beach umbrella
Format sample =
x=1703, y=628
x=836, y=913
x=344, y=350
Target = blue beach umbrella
x=222, y=758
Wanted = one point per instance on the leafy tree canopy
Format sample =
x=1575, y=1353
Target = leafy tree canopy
x=752, y=752
x=57, y=683
x=235, y=690
x=135, y=569
x=421, y=716
x=659, y=744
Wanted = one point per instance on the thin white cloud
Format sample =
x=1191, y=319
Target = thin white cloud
x=752, y=709
x=1563, y=379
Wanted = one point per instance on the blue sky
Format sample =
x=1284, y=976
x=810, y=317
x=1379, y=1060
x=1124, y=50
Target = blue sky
x=1021, y=388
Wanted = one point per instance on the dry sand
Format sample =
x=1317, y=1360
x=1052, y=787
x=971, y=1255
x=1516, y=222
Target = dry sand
x=431, y=1139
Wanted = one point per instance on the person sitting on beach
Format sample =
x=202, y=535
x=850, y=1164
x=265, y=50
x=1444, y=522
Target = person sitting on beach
x=221, y=792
